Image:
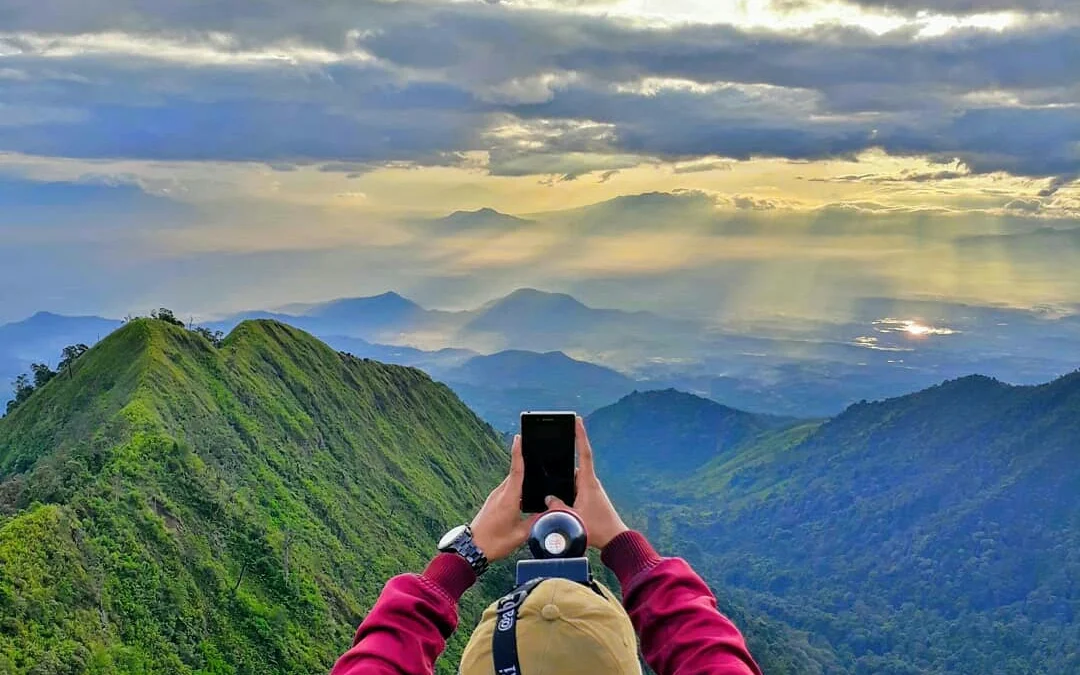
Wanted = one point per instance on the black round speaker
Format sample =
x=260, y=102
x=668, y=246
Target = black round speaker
x=558, y=534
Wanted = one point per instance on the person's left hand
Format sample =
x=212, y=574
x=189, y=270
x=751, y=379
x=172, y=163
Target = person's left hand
x=498, y=529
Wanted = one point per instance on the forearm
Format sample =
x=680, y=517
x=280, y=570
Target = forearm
x=407, y=629
x=675, y=613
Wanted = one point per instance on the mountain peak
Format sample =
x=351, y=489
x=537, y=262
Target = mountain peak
x=485, y=211
x=480, y=218
x=389, y=302
x=43, y=315
x=654, y=418
x=533, y=295
x=52, y=318
x=658, y=399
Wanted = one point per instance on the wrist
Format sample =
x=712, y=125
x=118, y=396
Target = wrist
x=629, y=554
x=451, y=573
x=607, y=535
x=483, y=544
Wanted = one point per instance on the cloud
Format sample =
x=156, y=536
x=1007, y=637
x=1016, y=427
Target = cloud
x=959, y=7
x=1045, y=238
x=905, y=176
x=702, y=166
x=1024, y=205
x=1057, y=183
x=371, y=83
x=752, y=203
x=360, y=82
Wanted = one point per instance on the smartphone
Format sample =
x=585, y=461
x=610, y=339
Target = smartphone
x=547, y=446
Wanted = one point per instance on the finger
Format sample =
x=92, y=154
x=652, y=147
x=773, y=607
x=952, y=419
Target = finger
x=517, y=468
x=499, y=489
x=584, y=448
x=555, y=504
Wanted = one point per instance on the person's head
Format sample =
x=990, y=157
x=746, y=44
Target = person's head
x=563, y=628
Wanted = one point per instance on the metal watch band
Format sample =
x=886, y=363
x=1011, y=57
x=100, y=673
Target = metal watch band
x=464, y=546
x=468, y=549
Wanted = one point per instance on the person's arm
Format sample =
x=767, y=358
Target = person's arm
x=674, y=613
x=408, y=627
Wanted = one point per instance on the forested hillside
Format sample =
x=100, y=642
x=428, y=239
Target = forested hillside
x=938, y=532
x=175, y=507
x=178, y=504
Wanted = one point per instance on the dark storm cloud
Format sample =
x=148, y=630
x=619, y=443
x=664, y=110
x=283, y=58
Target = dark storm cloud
x=1037, y=56
x=422, y=82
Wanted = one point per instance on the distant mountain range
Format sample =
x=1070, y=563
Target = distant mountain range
x=45, y=333
x=935, y=532
x=498, y=387
x=781, y=366
x=526, y=319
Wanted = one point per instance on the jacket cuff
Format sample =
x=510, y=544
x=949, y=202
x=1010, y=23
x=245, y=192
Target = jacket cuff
x=451, y=573
x=629, y=554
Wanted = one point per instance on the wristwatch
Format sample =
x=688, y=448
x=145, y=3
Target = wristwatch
x=460, y=541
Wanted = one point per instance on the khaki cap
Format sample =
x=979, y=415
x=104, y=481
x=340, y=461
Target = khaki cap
x=563, y=628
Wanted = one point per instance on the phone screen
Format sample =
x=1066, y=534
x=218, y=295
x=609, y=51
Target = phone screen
x=547, y=446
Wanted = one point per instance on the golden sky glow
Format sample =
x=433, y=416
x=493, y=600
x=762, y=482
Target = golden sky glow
x=821, y=149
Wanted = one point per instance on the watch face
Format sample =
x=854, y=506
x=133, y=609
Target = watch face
x=450, y=536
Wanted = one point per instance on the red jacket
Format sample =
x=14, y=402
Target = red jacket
x=672, y=610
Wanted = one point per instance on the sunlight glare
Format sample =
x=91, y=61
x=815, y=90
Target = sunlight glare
x=764, y=14
x=910, y=327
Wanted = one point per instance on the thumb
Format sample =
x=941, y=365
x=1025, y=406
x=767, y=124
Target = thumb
x=555, y=504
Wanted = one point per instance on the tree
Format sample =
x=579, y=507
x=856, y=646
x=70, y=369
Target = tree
x=166, y=315
x=23, y=389
x=286, y=553
x=42, y=374
x=69, y=356
x=214, y=336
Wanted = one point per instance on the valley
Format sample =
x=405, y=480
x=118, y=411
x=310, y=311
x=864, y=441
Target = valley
x=235, y=507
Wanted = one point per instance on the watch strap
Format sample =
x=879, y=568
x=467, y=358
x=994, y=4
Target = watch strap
x=465, y=547
x=468, y=549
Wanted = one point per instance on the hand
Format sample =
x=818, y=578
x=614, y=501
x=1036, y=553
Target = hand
x=498, y=529
x=592, y=504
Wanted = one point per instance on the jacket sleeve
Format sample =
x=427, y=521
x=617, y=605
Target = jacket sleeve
x=407, y=629
x=674, y=613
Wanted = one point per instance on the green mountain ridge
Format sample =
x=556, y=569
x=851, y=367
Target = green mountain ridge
x=176, y=508
x=706, y=429
x=931, y=533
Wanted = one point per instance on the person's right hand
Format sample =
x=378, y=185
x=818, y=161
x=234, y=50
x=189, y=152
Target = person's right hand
x=602, y=521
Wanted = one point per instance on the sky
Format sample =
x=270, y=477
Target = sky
x=716, y=157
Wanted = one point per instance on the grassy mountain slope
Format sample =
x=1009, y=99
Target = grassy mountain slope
x=177, y=508
x=40, y=338
x=935, y=532
x=172, y=507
